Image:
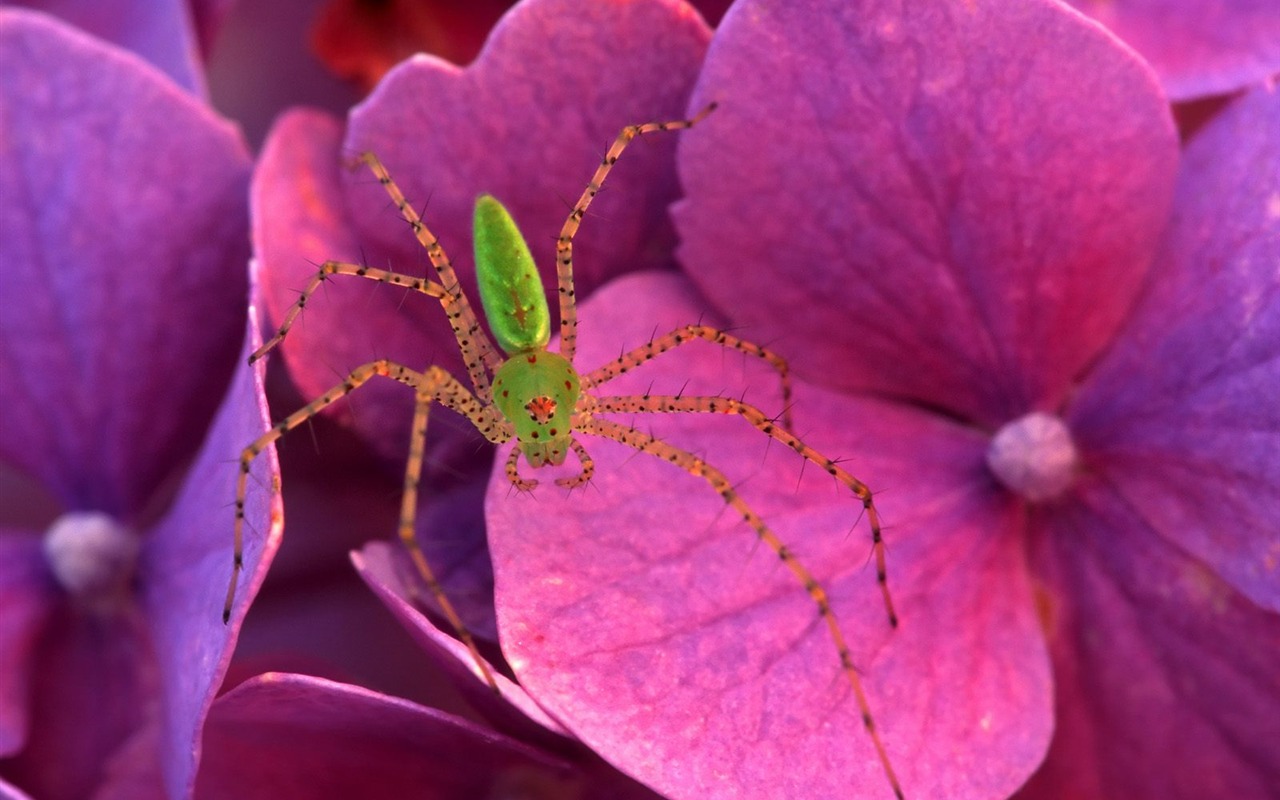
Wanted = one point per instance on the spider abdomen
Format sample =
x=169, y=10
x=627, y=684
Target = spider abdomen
x=510, y=288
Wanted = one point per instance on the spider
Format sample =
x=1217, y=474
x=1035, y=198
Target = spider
x=538, y=397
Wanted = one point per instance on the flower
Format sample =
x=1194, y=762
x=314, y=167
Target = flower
x=964, y=224
x=124, y=277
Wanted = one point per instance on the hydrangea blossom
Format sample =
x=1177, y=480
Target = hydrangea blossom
x=124, y=277
x=1044, y=336
x=1043, y=333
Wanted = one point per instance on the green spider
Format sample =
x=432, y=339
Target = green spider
x=540, y=399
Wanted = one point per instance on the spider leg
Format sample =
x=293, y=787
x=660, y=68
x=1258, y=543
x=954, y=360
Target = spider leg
x=354, y=380
x=696, y=466
x=435, y=385
x=513, y=473
x=329, y=268
x=666, y=404
x=588, y=467
x=564, y=244
x=683, y=335
x=438, y=386
x=477, y=351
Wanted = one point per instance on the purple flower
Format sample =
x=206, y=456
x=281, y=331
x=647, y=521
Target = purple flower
x=124, y=277
x=1045, y=337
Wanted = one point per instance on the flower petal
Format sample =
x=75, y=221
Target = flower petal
x=161, y=32
x=649, y=619
x=122, y=232
x=1180, y=415
x=926, y=201
x=388, y=575
x=1143, y=634
x=187, y=561
x=282, y=735
x=528, y=123
x=1198, y=47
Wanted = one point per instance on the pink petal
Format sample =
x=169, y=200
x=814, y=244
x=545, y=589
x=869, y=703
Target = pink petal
x=83, y=662
x=646, y=617
x=283, y=735
x=389, y=574
x=926, y=203
x=8, y=792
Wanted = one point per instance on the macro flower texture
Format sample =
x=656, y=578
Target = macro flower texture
x=1043, y=328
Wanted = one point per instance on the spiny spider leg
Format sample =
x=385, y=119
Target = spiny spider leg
x=342, y=268
x=564, y=244
x=513, y=472
x=435, y=385
x=696, y=466
x=477, y=351
x=588, y=467
x=683, y=335
x=667, y=404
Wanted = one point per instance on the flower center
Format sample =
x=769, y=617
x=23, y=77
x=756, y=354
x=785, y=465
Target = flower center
x=1034, y=456
x=93, y=557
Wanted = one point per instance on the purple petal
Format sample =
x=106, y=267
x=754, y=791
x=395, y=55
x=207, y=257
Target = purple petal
x=26, y=594
x=528, y=121
x=928, y=203
x=283, y=735
x=123, y=233
x=388, y=574
x=161, y=32
x=1165, y=674
x=1179, y=416
x=1198, y=47
x=187, y=562
x=648, y=619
